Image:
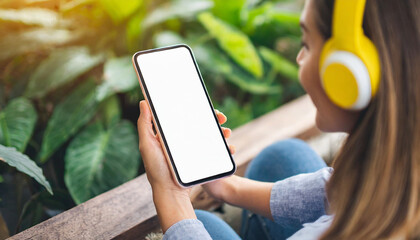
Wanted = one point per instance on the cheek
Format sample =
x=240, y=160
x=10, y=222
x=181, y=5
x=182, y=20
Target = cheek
x=310, y=80
x=329, y=118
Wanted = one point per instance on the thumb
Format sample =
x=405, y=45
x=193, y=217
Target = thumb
x=144, y=123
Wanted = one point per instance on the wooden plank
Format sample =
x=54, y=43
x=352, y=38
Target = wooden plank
x=127, y=212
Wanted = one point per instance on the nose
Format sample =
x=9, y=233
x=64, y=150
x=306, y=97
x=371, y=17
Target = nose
x=299, y=57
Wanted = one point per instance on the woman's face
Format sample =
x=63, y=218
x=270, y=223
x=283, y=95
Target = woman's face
x=329, y=117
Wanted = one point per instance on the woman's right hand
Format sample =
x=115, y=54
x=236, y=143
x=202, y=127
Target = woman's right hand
x=218, y=188
x=226, y=131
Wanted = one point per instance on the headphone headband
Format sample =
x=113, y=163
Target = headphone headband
x=348, y=23
x=349, y=61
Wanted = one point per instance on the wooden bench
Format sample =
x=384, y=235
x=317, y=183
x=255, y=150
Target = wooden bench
x=127, y=212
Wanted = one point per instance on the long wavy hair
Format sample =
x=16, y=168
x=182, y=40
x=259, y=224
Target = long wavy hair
x=374, y=192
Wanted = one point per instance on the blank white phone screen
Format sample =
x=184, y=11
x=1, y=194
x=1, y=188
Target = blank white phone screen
x=184, y=113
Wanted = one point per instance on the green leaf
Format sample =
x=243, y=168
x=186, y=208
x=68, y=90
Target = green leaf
x=214, y=61
x=250, y=85
x=98, y=160
x=32, y=16
x=17, y=122
x=133, y=32
x=1, y=137
x=119, y=76
x=267, y=14
x=62, y=66
x=68, y=117
x=238, y=115
x=119, y=10
x=24, y=164
x=229, y=11
x=262, y=104
x=111, y=111
x=234, y=43
x=176, y=9
x=265, y=24
x=279, y=63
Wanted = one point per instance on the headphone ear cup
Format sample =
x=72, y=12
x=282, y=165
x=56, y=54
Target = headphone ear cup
x=370, y=56
x=346, y=80
x=349, y=79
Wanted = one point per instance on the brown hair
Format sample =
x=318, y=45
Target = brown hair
x=374, y=191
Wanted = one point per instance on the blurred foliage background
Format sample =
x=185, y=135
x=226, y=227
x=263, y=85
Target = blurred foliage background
x=69, y=94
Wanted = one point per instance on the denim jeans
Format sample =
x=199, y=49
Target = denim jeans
x=278, y=161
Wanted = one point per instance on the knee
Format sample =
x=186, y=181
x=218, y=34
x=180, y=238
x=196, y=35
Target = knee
x=279, y=151
x=202, y=215
x=283, y=147
x=280, y=158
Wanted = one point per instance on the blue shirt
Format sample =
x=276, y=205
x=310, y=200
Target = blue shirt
x=296, y=201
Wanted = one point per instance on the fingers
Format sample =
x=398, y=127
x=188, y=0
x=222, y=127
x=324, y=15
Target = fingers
x=232, y=149
x=144, y=123
x=226, y=132
x=220, y=117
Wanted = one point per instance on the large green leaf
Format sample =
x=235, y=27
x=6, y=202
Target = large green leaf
x=61, y=67
x=265, y=24
x=229, y=11
x=233, y=42
x=134, y=30
x=266, y=14
x=215, y=62
x=279, y=63
x=118, y=10
x=250, y=85
x=176, y=9
x=98, y=160
x=110, y=111
x=68, y=117
x=119, y=76
x=22, y=163
x=17, y=122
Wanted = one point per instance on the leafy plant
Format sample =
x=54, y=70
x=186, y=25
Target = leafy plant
x=69, y=93
x=22, y=163
x=17, y=122
x=99, y=159
x=233, y=42
x=68, y=117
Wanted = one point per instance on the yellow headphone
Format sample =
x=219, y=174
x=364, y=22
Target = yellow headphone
x=349, y=62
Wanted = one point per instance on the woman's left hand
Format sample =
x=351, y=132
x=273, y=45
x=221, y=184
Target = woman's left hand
x=172, y=201
x=157, y=168
x=155, y=164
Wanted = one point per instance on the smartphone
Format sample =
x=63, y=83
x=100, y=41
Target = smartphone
x=183, y=115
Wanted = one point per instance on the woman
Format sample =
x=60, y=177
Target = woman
x=374, y=190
